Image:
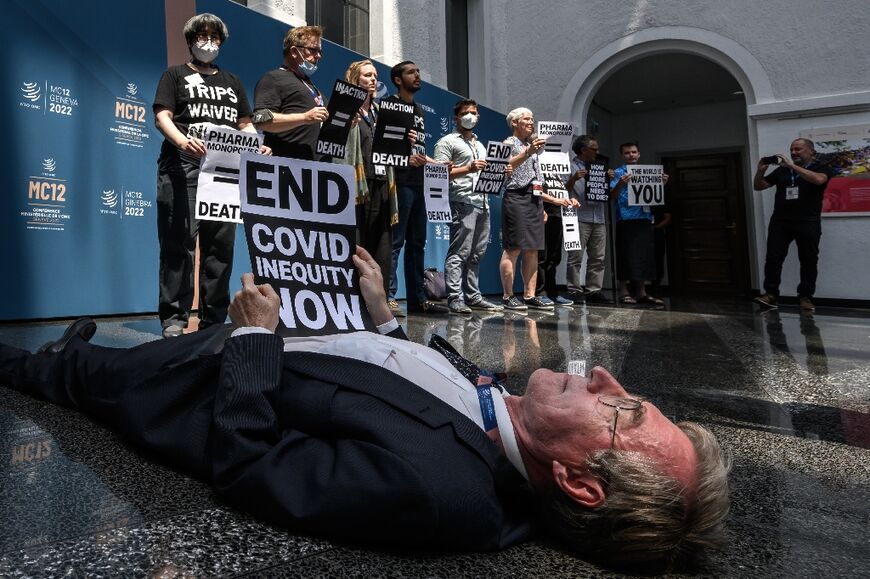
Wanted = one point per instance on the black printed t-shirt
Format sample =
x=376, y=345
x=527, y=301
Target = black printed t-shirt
x=413, y=176
x=808, y=205
x=196, y=99
x=282, y=91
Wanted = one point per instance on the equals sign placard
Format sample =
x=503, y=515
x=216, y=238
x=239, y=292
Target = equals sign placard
x=227, y=171
x=394, y=132
x=340, y=119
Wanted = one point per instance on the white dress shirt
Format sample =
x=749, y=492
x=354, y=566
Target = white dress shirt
x=416, y=363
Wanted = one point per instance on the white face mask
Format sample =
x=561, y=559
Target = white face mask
x=468, y=121
x=205, y=51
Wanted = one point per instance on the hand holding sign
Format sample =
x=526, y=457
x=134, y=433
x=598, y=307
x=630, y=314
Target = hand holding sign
x=371, y=286
x=255, y=305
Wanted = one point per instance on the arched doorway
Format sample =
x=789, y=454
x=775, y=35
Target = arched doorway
x=682, y=93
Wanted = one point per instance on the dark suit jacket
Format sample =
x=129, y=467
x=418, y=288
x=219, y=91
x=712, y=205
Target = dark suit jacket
x=325, y=445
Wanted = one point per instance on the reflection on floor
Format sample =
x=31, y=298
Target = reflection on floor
x=787, y=394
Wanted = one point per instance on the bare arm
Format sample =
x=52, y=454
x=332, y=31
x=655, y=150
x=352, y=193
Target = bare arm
x=163, y=120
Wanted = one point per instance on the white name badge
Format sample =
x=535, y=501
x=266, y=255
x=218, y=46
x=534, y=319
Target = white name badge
x=791, y=193
x=380, y=170
x=537, y=188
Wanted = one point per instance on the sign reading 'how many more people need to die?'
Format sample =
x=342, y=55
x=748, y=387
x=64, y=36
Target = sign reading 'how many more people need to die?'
x=300, y=224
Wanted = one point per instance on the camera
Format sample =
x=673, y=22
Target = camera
x=772, y=160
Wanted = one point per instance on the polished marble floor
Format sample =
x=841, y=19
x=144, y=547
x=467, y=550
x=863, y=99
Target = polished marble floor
x=787, y=394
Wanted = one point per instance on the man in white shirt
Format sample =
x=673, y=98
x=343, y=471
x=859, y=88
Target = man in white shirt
x=369, y=437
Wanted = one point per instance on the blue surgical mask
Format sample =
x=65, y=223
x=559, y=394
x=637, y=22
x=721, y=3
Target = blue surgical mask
x=306, y=67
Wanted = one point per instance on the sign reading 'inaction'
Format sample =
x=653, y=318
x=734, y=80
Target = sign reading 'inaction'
x=300, y=226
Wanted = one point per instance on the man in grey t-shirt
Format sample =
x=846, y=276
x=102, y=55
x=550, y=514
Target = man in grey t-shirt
x=469, y=230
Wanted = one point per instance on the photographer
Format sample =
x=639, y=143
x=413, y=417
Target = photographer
x=800, y=182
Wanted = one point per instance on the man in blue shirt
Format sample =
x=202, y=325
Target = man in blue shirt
x=635, y=243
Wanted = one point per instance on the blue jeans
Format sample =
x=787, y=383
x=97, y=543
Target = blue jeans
x=410, y=233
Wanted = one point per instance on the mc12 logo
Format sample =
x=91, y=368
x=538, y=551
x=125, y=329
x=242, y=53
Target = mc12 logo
x=129, y=111
x=46, y=191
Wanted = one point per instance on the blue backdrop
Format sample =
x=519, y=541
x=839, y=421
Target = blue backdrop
x=78, y=219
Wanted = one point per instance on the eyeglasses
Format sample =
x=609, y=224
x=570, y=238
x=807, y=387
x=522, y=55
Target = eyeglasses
x=618, y=403
x=314, y=49
x=202, y=37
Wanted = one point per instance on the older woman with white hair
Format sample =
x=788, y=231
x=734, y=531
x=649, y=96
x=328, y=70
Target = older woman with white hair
x=522, y=213
x=189, y=97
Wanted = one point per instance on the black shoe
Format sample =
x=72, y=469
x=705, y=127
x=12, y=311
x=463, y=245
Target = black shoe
x=430, y=307
x=577, y=297
x=82, y=327
x=598, y=298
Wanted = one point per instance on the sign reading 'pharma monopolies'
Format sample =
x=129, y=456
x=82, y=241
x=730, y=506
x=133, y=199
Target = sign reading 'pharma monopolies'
x=217, y=191
x=300, y=225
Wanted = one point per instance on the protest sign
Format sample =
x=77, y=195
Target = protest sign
x=645, y=186
x=435, y=191
x=554, y=156
x=300, y=224
x=343, y=106
x=492, y=176
x=570, y=229
x=390, y=145
x=217, y=191
x=555, y=186
x=596, y=182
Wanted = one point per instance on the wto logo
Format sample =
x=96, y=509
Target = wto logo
x=49, y=165
x=31, y=91
x=132, y=89
x=445, y=125
x=110, y=198
x=381, y=90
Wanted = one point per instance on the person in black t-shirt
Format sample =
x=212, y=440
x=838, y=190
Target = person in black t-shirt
x=190, y=96
x=376, y=203
x=411, y=229
x=800, y=182
x=288, y=107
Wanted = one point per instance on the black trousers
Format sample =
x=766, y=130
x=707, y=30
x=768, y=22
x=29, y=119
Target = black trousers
x=158, y=395
x=806, y=235
x=550, y=257
x=177, y=230
x=374, y=232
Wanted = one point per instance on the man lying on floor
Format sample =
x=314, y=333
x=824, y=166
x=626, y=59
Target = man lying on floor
x=372, y=438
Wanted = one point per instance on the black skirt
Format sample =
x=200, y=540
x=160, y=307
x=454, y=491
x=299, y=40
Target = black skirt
x=522, y=220
x=635, y=250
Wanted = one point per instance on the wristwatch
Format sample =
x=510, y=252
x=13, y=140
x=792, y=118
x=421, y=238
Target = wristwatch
x=262, y=116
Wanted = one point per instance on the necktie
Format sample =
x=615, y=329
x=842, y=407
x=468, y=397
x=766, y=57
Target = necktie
x=483, y=380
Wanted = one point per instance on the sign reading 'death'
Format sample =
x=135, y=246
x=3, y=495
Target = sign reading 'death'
x=343, y=106
x=390, y=145
x=217, y=191
x=436, y=181
x=570, y=229
x=492, y=177
x=300, y=225
x=554, y=156
x=596, y=182
x=646, y=187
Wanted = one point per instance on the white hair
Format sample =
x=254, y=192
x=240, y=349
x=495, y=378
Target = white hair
x=515, y=114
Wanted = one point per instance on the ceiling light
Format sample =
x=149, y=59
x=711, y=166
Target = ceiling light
x=737, y=92
x=637, y=102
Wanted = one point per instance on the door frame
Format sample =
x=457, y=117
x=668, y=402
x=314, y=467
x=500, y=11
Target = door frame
x=742, y=221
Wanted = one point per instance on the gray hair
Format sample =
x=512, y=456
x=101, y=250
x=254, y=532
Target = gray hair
x=648, y=521
x=202, y=21
x=517, y=113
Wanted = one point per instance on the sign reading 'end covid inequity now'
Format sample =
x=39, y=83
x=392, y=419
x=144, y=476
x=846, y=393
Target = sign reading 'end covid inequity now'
x=300, y=226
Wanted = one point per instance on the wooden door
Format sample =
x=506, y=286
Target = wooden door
x=707, y=243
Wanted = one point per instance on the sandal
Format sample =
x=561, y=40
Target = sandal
x=648, y=299
x=627, y=299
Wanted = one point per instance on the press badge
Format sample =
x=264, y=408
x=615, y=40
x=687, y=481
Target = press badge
x=380, y=170
x=791, y=193
x=537, y=188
